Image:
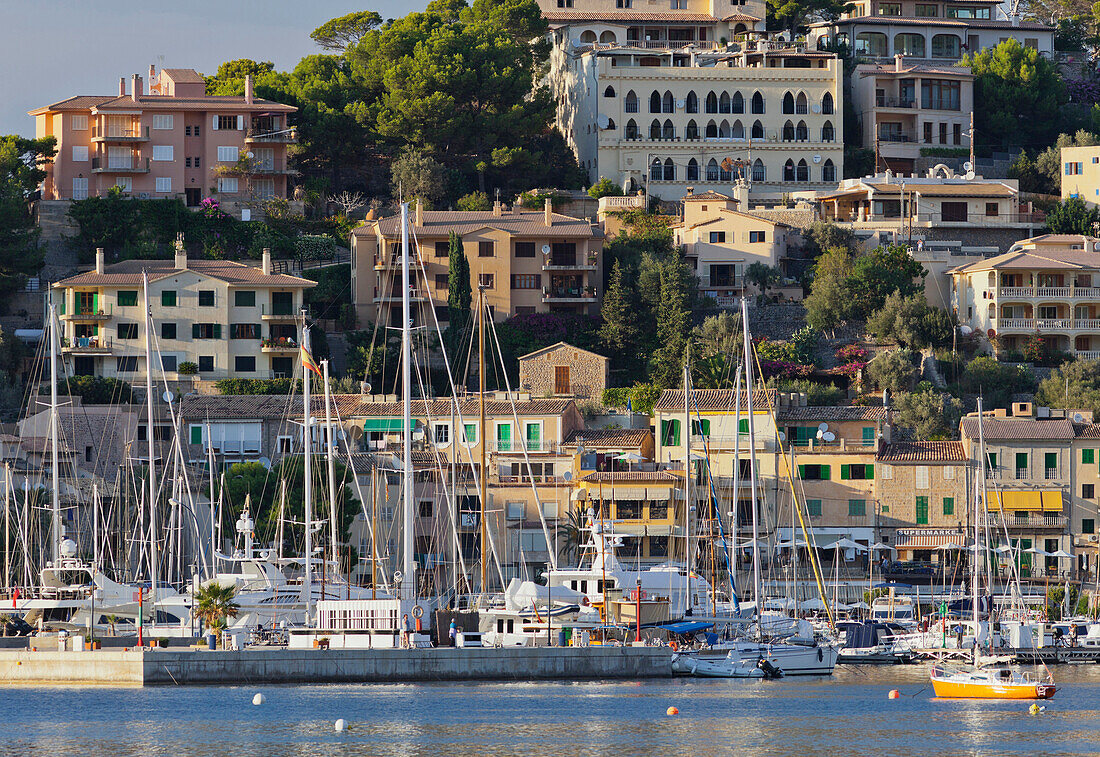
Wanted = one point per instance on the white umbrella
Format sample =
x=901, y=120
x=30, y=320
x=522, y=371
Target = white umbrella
x=950, y=545
x=879, y=546
x=630, y=457
x=789, y=544
x=1037, y=551
x=845, y=544
x=1003, y=548
x=1061, y=553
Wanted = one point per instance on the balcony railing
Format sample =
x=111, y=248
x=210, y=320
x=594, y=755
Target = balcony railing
x=115, y=134
x=278, y=312
x=1046, y=324
x=1025, y=519
x=566, y=263
x=895, y=102
x=415, y=295
x=1085, y=293
x=271, y=136
x=281, y=344
x=843, y=445
x=109, y=165
x=517, y=445
x=896, y=136
x=569, y=294
x=87, y=314
x=87, y=345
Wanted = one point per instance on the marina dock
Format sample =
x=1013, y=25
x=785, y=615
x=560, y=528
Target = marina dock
x=157, y=667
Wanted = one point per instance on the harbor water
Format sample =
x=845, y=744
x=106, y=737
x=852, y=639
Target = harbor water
x=848, y=713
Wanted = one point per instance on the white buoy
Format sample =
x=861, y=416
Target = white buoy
x=341, y=725
x=258, y=699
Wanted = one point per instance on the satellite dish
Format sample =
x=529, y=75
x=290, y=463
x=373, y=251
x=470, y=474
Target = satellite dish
x=567, y=476
x=679, y=103
x=167, y=396
x=266, y=462
x=603, y=121
x=829, y=436
x=968, y=166
x=965, y=330
x=546, y=249
x=250, y=155
x=817, y=159
x=816, y=108
x=1078, y=418
x=782, y=436
x=397, y=576
x=823, y=427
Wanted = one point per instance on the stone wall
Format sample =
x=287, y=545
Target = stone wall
x=587, y=372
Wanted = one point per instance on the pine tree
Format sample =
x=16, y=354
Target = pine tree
x=620, y=331
x=673, y=326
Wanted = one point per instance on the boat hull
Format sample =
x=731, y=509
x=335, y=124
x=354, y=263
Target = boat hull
x=946, y=689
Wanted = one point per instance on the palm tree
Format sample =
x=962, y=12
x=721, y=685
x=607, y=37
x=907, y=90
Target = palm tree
x=571, y=532
x=215, y=603
x=111, y=621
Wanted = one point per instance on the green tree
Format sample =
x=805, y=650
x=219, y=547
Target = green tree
x=605, y=187
x=21, y=169
x=1073, y=385
x=673, y=325
x=459, y=292
x=796, y=15
x=932, y=416
x=620, y=330
x=416, y=174
x=214, y=603
x=1073, y=216
x=995, y=381
x=96, y=390
x=762, y=276
x=1018, y=88
x=893, y=371
x=829, y=303
x=573, y=532
x=911, y=321
x=826, y=235
x=881, y=272
x=346, y=31
x=474, y=201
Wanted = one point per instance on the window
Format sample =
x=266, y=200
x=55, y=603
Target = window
x=757, y=104
x=206, y=331
x=168, y=298
x=946, y=46
x=168, y=330
x=164, y=184
x=889, y=9
x=922, y=511
x=1088, y=456
x=1050, y=463
x=928, y=132
x=227, y=184
x=196, y=434
x=127, y=331
x=757, y=236
x=631, y=102
x=486, y=280
x=857, y=472
x=857, y=507
x=228, y=154
x=948, y=505
x=126, y=365
x=953, y=11
x=1088, y=491
x=813, y=508
x=206, y=363
x=485, y=249
x=124, y=183
x=442, y=282
x=828, y=171
x=1088, y=526
x=244, y=363
x=80, y=153
x=909, y=44
x=1021, y=465
x=939, y=94
x=244, y=331
x=79, y=123
x=162, y=121
x=206, y=298
x=525, y=249
x=187, y=162
x=717, y=237
x=197, y=162
x=244, y=298
x=920, y=476
x=956, y=134
x=872, y=44
x=127, y=299
x=814, y=472
x=163, y=152
x=526, y=281
x=226, y=123
x=927, y=10
x=759, y=172
x=992, y=209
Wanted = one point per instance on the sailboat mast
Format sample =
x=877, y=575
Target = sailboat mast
x=736, y=483
x=757, y=589
x=687, y=483
x=481, y=434
x=408, y=581
x=55, y=486
x=307, y=470
x=977, y=529
x=213, y=520
x=149, y=437
x=330, y=453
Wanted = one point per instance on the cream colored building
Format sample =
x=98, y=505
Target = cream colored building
x=909, y=107
x=1081, y=173
x=526, y=261
x=1047, y=285
x=228, y=318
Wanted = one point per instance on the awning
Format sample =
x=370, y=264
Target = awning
x=382, y=425
x=685, y=627
x=925, y=538
x=1031, y=499
x=619, y=493
x=654, y=494
x=641, y=529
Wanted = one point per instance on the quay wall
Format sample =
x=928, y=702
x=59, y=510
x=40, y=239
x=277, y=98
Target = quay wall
x=104, y=667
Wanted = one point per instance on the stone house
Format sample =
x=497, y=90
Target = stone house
x=562, y=369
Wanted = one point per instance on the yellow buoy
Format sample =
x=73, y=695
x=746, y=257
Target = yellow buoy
x=1034, y=709
x=672, y=711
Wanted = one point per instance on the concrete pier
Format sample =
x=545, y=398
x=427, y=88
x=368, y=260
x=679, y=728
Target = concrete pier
x=152, y=667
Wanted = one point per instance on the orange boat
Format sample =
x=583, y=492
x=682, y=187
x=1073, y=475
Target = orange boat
x=990, y=683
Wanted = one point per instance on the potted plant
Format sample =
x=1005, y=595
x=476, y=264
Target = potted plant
x=214, y=604
x=187, y=368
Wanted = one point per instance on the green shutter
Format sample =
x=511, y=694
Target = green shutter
x=857, y=507
x=217, y=331
x=95, y=302
x=1088, y=456
x=743, y=426
x=675, y=432
x=194, y=331
x=922, y=511
x=196, y=434
x=948, y=505
x=168, y=298
x=813, y=507
x=1021, y=459
x=1088, y=526
x=705, y=427
x=868, y=434
x=845, y=472
x=826, y=473
x=992, y=464
x=1051, y=460
x=666, y=439
x=470, y=430
x=802, y=471
x=869, y=471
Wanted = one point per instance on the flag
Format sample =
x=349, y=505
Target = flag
x=629, y=409
x=310, y=363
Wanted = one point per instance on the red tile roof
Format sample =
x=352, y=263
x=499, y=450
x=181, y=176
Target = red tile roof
x=1008, y=429
x=559, y=17
x=712, y=399
x=741, y=17
x=130, y=271
x=839, y=413
x=1086, y=430
x=616, y=477
x=609, y=438
x=922, y=452
x=521, y=223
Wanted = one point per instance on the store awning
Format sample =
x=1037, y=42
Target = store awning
x=620, y=493
x=1031, y=499
x=382, y=425
x=925, y=538
x=659, y=495
x=641, y=529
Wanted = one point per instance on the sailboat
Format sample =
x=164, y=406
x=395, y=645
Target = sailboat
x=976, y=681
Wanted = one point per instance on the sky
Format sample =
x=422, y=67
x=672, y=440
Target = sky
x=53, y=49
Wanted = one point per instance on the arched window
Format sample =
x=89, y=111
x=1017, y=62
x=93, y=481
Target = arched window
x=611, y=124
x=788, y=170
x=607, y=37
x=871, y=43
x=711, y=104
x=588, y=36
x=827, y=104
x=740, y=29
x=668, y=131
x=631, y=130
x=802, y=172
x=757, y=103
x=724, y=129
x=759, y=173
x=801, y=105
x=655, y=102
x=655, y=129
x=691, y=104
x=724, y=103
x=828, y=134
x=946, y=46
x=737, y=131
x=712, y=170
x=909, y=44
x=712, y=130
x=693, y=170
x=667, y=103
x=609, y=92
x=670, y=170
x=631, y=102
x=788, y=131
x=801, y=132
x=828, y=172
x=656, y=170
x=737, y=103
x=724, y=173
x=757, y=130
x=788, y=104
x=692, y=130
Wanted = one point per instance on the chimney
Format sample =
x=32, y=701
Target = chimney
x=248, y=89
x=152, y=77
x=122, y=86
x=181, y=253
x=266, y=266
x=496, y=208
x=548, y=213
x=99, y=259
x=135, y=88
x=897, y=63
x=419, y=212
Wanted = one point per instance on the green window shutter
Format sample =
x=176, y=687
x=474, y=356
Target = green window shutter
x=813, y=507
x=845, y=472
x=127, y=299
x=705, y=424
x=869, y=471
x=217, y=331
x=948, y=505
x=922, y=511
x=168, y=298
x=1088, y=456
x=857, y=507
x=95, y=302
x=675, y=433
x=1088, y=526
x=826, y=473
x=868, y=434
x=1021, y=459
x=992, y=462
x=196, y=434
x=665, y=438
x=743, y=426
x=802, y=471
x=194, y=331
x=471, y=432
x=1051, y=460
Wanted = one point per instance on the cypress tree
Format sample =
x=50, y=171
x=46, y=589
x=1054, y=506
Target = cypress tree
x=673, y=326
x=620, y=331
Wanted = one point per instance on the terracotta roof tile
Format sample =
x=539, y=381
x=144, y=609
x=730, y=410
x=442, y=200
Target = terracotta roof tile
x=628, y=16
x=741, y=17
x=616, y=477
x=839, y=413
x=184, y=75
x=353, y=406
x=521, y=223
x=944, y=22
x=207, y=102
x=607, y=438
x=710, y=194
x=712, y=399
x=230, y=271
x=79, y=102
x=1008, y=429
x=922, y=452
x=1086, y=430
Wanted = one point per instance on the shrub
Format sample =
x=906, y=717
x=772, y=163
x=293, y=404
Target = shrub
x=95, y=390
x=256, y=386
x=893, y=371
x=642, y=397
x=820, y=395
x=851, y=353
x=605, y=187
x=932, y=415
x=474, y=201
x=187, y=368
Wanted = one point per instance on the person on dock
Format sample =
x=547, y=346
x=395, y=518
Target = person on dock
x=406, y=629
x=452, y=632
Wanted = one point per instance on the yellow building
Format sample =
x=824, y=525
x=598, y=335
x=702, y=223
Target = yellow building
x=1081, y=173
x=1083, y=515
x=645, y=506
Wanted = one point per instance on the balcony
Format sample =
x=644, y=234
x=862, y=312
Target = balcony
x=1062, y=293
x=132, y=135
x=279, y=312
x=87, y=316
x=895, y=102
x=105, y=165
x=1046, y=324
x=569, y=294
x=273, y=169
x=86, y=345
x=567, y=263
x=415, y=295
x=282, y=345
x=517, y=445
x=271, y=136
x=896, y=136
x=802, y=446
x=1024, y=519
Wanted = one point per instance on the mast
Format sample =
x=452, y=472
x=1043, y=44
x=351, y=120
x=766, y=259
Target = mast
x=7, y=525
x=736, y=484
x=213, y=520
x=95, y=525
x=687, y=482
x=307, y=463
x=481, y=434
x=453, y=503
x=752, y=460
x=408, y=582
x=149, y=438
x=331, y=461
x=55, y=490
x=977, y=528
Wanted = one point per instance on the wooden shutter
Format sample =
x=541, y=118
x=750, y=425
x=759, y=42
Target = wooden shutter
x=194, y=331
x=217, y=331
x=561, y=379
x=845, y=472
x=826, y=473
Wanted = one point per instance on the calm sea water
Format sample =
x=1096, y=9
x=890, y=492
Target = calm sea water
x=847, y=714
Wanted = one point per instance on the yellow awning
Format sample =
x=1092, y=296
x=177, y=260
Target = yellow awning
x=1035, y=500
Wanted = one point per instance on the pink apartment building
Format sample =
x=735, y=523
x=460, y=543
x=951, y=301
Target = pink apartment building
x=168, y=142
